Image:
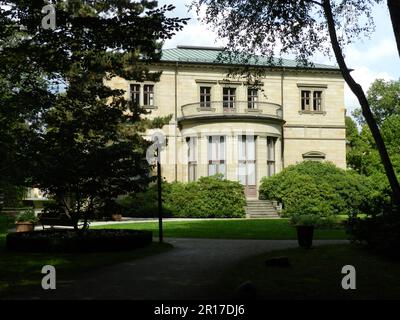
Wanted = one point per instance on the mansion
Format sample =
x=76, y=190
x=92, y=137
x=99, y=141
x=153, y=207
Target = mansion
x=243, y=131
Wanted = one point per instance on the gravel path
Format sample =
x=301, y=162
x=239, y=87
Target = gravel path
x=186, y=272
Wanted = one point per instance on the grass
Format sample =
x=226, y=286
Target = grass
x=21, y=271
x=316, y=274
x=276, y=229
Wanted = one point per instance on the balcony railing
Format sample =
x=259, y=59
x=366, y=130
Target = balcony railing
x=231, y=108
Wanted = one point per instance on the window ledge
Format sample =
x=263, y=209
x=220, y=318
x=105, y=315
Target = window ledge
x=150, y=107
x=312, y=112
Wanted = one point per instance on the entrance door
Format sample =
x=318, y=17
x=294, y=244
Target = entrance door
x=247, y=164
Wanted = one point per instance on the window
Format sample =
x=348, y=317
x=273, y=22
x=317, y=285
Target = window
x=305, y=100
x=216, y=155
x=192, y=159
x=135, y=94
x=317, y=100
x=311, y=100
x=252, y=98
x=271, y=155
x=205, y=97
x=247, y=160
x=148, y=95
x=229, y=98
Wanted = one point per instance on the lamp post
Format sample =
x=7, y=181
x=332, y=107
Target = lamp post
x=159, y=194
x=153, y=153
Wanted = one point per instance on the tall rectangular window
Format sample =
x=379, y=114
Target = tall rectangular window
x=229, y=98
x=205, y=97
x=148, y=95
x=317, y=100
x=247, y=160
x=135, y=94
x=192, y=159
x=271, y=155
x=305, y=100
x=252, y=98
x=216, y=155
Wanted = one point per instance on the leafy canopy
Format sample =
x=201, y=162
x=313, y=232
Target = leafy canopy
x=295, y=27
x=84, y=145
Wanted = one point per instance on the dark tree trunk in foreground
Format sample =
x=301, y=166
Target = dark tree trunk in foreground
x=394, y=9
x=366, y=110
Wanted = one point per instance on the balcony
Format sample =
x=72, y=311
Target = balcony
x=232, y=109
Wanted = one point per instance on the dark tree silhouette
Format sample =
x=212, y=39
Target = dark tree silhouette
x=83, y=147
x=394, y=9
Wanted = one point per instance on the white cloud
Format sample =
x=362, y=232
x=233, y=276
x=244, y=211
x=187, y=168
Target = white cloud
x=383, y=49
x=195, y=35
x=364, y=76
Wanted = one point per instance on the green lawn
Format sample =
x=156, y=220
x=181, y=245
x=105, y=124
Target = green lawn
x=18, y=271
x=316, y=274
x=277, y=229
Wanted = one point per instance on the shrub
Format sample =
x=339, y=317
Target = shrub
x=381, y=233
x=209, y=197
x=26, y=216
x=143, y=204
x=321, y=188
x=305, y=219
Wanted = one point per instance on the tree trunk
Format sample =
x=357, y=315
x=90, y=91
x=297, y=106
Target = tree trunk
x=366, y=110
x=394, y=9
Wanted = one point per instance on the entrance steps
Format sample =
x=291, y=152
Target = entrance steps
x=261, y=209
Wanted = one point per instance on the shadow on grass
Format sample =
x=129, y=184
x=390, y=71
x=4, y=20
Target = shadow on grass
x=20, y=272
x=315, y=274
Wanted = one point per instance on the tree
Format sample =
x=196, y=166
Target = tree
x=384, y=99
x=394, y=9
x=85, y=147
x=23, y=95
x=363, y=156
x=300, y=27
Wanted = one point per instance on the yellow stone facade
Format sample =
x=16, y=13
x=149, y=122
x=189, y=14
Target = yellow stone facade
x=278, y=117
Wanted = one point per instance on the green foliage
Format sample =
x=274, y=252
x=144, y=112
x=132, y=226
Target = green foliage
x=13, y=195
x=26, y=216
x=293, y=27
x=362, y=154
x=384, y=100
x=305, y=219
x=208, y=197
x=322, y=189
x=381, y=233
x=80, y=144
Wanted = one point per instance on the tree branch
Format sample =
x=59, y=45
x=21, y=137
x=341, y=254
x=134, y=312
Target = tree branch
x=366, y=110
x=315, y=2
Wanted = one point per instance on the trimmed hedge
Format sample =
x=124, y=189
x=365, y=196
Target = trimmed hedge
x=322, y=188
x=208, y=197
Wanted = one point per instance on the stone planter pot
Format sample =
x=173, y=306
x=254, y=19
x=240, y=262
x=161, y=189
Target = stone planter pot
x=24, y=226
x=305, y=236
x=116, y=217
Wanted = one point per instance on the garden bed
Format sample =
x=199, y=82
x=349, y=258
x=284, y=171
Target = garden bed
x=99, y=240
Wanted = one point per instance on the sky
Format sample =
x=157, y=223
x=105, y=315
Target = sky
x=371, y=58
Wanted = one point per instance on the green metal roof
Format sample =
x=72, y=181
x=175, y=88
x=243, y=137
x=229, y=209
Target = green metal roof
x=210, y=55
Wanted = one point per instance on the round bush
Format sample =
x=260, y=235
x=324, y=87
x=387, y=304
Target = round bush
x=208, y=197
x=69, y=241
x=321, y=188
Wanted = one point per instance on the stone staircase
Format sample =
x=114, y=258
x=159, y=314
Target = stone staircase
x=261, y=209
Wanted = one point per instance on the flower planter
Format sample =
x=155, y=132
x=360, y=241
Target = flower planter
x=305, y=236
x=24, y=226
